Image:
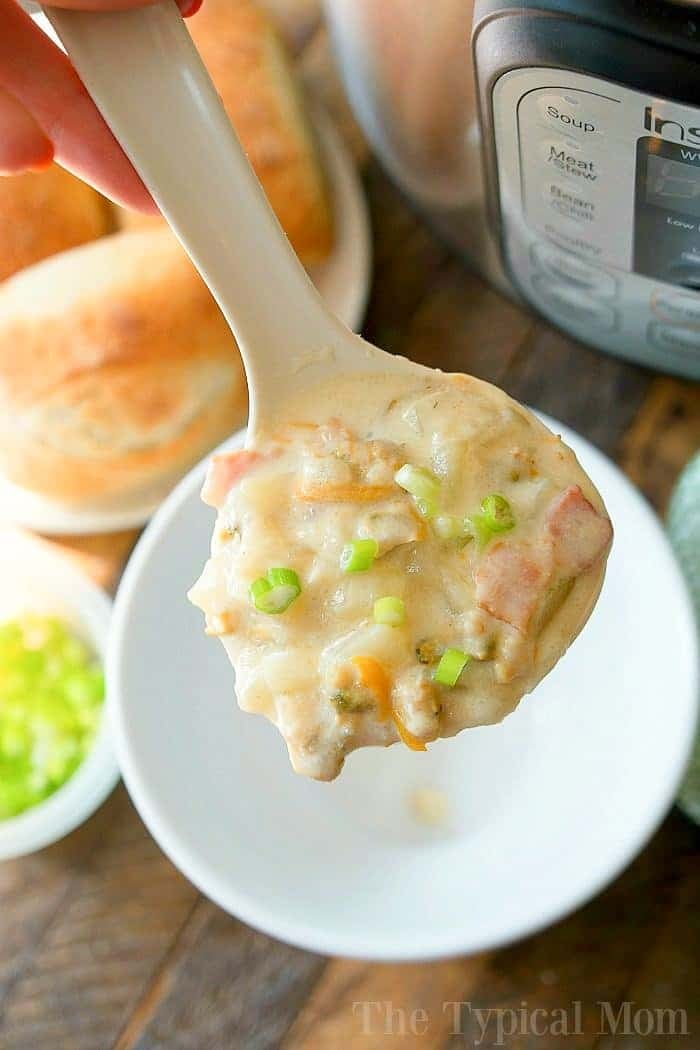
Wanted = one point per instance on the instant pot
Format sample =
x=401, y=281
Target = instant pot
x=556, y=144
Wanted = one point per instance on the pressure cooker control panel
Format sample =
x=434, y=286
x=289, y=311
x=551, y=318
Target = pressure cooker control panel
x=600, y=204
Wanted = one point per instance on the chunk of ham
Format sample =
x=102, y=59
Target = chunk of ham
x=514, y=578
x=579, y=534
x=225, y=470
x=511, y=580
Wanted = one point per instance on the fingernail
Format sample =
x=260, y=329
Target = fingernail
x=189, y=7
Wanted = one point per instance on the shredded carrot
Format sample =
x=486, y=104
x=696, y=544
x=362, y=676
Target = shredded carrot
x=352, y=492
x=422, y=527
x=408, y=738
x=374, y=678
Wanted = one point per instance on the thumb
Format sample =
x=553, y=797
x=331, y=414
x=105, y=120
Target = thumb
x=23, y=145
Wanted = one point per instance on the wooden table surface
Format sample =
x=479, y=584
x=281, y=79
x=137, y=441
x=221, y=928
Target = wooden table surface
x=104, y=944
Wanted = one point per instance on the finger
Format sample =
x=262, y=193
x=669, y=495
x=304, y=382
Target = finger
x=23, y=145
x=187, y=7
x=39, y=75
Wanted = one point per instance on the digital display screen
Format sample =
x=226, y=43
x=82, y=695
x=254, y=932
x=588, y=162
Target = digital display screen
x=673, y=185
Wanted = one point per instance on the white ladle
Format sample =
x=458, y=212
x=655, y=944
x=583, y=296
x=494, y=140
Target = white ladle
x=147, y=79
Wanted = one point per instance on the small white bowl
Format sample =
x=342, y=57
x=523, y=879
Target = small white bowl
x=35, y=580
x=542, y=811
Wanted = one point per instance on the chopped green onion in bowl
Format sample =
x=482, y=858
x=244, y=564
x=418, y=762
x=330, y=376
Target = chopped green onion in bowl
x=275, y=592
x=51, y=699
x=358, y=555
x=390, y=611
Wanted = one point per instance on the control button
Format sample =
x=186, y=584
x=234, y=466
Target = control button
x=566, y=267
x=685, y=273
x=574, y=242
x=676, y=307
x=567, y=202
x=571, y=160
x=572, y=114
x=574, y=304
x=672, y=337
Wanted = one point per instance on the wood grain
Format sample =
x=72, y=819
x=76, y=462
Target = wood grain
x=233, y=987
x=112, y=906
x=598, y=954
x=664, y=433
x=595, y=394
x=363, y=1007
x=101, y=558
x=104, y=945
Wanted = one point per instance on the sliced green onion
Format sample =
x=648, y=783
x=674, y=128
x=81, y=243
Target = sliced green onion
x=390, y=611
x=478, y=529
x=420, y=482
x=452, y=663
x=447, y=527
x=51, y=693
x=358, y=555
x=275, y=592
x=283, y=578
x=258, y=588
x=498, y=513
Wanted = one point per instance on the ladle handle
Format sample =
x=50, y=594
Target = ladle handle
x=147, y=79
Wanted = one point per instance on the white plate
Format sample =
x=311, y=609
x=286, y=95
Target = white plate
x=545, y=809
x=36, y=580
x=343, y=281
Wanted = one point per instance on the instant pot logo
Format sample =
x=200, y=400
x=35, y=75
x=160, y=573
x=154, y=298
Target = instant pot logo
x=670, y=129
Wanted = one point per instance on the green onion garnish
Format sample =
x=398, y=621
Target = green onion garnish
x=359, y=555
x=390, y=611
x=496, y=516
x=452, y=663
x=477, y=528
x=422, y=485
x=275, y=592
x=418, y=481
x=497, y=513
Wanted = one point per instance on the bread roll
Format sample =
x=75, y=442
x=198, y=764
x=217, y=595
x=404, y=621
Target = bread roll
x=45, y=212
x=117, y=370
x=251, y=70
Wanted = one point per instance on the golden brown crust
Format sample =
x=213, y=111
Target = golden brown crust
x=248, y=63
x=45, y=212
x=117, y=369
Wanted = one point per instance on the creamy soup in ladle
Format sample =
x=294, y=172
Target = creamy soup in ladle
x=404, y=578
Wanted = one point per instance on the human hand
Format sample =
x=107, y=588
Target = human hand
x=46, y=114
